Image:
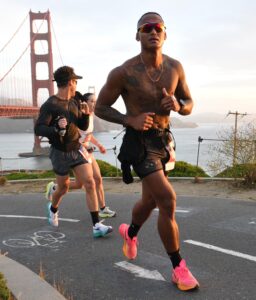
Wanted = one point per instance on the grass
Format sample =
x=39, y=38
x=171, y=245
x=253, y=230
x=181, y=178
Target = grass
x=245, y=171
x=182, y=169
x=107, y=170
x=5, y=293
x=28, y=174
x=58, y=285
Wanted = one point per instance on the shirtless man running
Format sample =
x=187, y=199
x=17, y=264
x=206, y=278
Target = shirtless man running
x=152, y=85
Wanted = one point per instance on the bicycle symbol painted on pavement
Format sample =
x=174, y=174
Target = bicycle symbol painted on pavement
x=48, y=239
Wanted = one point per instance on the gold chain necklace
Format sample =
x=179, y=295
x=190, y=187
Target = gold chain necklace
x=149, y=76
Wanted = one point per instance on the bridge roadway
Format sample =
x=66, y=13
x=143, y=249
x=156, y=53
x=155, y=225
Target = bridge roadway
x=217, y=240
x=8, y=111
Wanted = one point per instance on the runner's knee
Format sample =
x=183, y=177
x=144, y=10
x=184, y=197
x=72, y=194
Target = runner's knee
x=89, y=183
x=98, y=180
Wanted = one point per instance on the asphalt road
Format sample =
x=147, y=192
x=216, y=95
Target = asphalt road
x=218, y=241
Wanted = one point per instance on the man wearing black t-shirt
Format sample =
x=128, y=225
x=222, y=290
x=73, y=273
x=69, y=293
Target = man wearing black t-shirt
x=59, y=119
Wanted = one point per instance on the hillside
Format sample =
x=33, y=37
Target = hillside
x=211, y=117
x=27, y=125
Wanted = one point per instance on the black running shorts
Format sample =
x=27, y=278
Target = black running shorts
x=156, y=156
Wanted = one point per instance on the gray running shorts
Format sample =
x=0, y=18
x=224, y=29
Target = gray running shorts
x=62, y=162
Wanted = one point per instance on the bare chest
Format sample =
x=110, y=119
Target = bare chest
x=142, y=94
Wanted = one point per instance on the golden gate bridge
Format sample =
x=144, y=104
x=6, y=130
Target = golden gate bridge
x=26, y=77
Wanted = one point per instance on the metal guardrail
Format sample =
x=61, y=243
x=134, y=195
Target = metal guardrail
x=17, y=159
x=19, y=166
x=200, y=140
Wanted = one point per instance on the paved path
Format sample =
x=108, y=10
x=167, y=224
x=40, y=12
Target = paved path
x=217, y=240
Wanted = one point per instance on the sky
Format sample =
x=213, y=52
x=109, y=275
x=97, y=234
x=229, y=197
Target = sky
x=214, y=40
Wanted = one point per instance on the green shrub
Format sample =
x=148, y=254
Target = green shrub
x=26, y=174
x=21, y=175
x=238, y=171
x=250, y=176
x=4, y=291
x=184, y=169
x=246, y=171
x=47, y=174
x=107, y=170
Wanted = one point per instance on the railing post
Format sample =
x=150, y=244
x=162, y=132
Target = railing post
x=198, y=149
x=114, y=149
x=1, y=167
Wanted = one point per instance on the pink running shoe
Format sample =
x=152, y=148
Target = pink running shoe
x=130, y=245
x=183, y=277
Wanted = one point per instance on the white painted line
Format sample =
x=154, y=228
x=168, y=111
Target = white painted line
x=140, y=272
x=35, y=217
x=183, y=211
x=226, y=251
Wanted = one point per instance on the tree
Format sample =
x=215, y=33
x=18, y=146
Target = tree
x=222, y=152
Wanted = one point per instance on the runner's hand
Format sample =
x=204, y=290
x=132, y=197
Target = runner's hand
x=62, y=123
x=169, y=102
x=84, y=108
x=143, y=121
x=102, y=149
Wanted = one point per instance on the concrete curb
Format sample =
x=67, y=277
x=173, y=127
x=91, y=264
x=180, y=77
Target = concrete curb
x=25, y=284
x=136, y=179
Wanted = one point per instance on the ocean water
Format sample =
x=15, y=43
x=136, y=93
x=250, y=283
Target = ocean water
x=11, y=145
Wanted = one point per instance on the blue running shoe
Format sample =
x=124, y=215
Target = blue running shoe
x=100, y=230
x=52, y=217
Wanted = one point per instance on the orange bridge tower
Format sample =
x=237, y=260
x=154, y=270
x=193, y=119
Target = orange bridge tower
x=36, y=59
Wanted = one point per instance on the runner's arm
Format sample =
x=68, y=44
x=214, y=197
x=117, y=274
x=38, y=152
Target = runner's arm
x=95, y=142
x=83, y=121
x=43, y=124
x=108, y=96
x=82, y=117
x=182, y=93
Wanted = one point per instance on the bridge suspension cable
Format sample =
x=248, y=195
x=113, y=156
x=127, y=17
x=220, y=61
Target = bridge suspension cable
x=16, y=86
x=12, y=37
x=24, y=51
x=57, y=44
